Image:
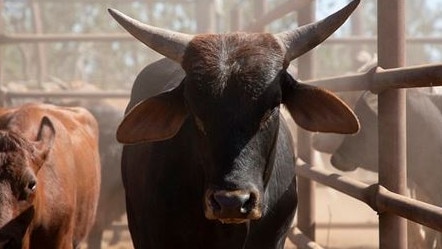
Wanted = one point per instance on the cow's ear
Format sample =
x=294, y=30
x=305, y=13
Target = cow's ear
x=316, y=109
x=154, y=119
x=45, y=140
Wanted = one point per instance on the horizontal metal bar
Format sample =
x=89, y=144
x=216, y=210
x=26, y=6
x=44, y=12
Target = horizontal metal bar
x=362, y=39
x=85, y=95
x=417, y=211
x=110, y=37
x=302, y=241
x=276, y=13
x=378, y=79
x=346, y=185
x=377, y=197
x=407, y=77
x=33, y=38
x=349, y=225
x=352, y=82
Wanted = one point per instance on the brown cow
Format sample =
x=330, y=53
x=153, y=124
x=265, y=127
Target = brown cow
x=49, y=176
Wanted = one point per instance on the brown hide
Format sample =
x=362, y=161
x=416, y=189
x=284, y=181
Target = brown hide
x=57, y=149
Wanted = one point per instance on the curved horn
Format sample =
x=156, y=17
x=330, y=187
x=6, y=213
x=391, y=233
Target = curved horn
x=301, y=40
x=168, y=43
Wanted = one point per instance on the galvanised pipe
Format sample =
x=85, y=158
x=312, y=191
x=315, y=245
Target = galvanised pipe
x=306, y=187
x=375, y=196
x=379, y=79
x=392, y=121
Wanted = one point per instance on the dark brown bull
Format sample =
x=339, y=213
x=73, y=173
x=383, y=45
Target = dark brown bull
x=49, y=176
x=210, y=163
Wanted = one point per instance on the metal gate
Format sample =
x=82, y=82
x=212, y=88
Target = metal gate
x=388, y=80
x=387, y=197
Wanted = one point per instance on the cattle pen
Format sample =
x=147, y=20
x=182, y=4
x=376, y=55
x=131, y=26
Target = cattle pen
x=388, y=80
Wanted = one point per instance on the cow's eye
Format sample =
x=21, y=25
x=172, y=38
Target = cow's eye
x=28, y=188
x=32, y=186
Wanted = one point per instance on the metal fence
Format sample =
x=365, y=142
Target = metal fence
x=387, y=197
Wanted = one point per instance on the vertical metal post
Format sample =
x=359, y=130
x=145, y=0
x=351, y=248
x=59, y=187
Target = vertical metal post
x=306, y=187
x=259, y=9
x=2, y=31
x=42, y=70
x=235, y=18
x=392, y=121
x=205, y=16
x=356, y=30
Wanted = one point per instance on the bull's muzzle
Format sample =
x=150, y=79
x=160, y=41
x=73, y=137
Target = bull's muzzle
x=237, y=206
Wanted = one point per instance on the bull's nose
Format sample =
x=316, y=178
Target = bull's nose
x=233, y=204
x=232, y=201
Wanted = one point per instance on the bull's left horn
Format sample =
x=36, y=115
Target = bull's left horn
x=301, y=40
x=168, y=43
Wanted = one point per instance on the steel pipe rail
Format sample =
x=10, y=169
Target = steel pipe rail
x=301, y=240
x=282, y=10
x=411, y=209
x=364, y=39
x=375, y=196
x=346, y=185
x=84, y=95
x=266, y=19
x=35, y=38
x=378, y=79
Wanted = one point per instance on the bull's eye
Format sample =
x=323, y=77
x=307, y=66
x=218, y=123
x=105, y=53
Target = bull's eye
x=200, y=125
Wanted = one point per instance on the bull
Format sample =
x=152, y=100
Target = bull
x=209, y=163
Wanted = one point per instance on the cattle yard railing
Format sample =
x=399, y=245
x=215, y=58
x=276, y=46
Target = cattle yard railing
x=387, y=197
x=6, y=96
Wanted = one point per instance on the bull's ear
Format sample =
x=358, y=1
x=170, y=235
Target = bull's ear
x=316, y=109
x=154, y=119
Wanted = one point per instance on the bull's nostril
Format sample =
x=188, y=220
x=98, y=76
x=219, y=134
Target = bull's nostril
x=249, y=204
x=233, y=202
x=214, y=203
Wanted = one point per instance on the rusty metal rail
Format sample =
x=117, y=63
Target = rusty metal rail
x=269, y=17
x=34, y=38
x=85, y=95
x=378, y=79
x=301, y=240
x=375, y=196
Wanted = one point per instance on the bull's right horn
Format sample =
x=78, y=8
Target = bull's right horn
x=168, y=43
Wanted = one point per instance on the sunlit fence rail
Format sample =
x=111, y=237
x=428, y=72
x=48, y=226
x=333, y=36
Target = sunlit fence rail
x=385, y=197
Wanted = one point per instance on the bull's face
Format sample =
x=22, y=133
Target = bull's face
x=232, y=91
x=233, y=94
x=20, y=161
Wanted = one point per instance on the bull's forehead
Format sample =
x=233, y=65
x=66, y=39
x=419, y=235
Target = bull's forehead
x=239, y=65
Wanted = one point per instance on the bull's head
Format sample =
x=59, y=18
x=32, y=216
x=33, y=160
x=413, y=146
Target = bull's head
x=232, y=92
x=20, y=161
